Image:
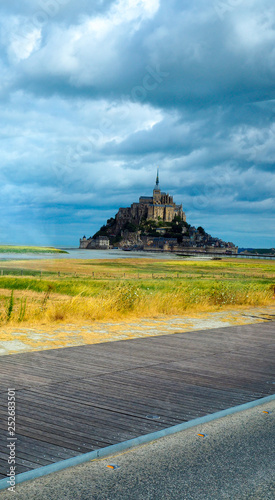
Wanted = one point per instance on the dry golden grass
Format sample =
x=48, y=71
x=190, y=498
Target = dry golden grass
x=111, y=290
x=119, y=305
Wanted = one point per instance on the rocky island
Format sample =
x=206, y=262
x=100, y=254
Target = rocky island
x=155, y=223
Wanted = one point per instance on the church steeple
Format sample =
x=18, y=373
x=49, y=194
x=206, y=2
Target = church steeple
x=157, y=180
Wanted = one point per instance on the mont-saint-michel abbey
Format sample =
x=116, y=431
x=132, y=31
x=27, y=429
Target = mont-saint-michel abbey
x=155, y=223
x=160, y=206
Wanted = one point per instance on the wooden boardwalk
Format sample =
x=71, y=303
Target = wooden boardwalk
x=77, y=399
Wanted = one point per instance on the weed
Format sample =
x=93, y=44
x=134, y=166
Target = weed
x=10, y=306
x=46, y=297
x=22, y=311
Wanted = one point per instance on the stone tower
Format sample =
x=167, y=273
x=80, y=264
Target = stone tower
x=157, y=191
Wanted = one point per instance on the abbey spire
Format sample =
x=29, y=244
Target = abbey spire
x=157, y=180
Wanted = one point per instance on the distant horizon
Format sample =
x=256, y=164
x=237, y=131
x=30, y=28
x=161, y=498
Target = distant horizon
x=74, y=247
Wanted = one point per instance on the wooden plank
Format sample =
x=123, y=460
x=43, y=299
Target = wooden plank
x=26, y=447
x=34, y=444
x=26, y=459
x=129, y=403
x=95, y=413
x=101, y=419
x=44, y=435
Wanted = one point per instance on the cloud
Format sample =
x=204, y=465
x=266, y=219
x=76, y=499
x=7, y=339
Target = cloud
x=95, y=95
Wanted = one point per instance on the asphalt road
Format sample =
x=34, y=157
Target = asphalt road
x=236, y=460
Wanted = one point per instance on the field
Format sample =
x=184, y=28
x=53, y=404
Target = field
x=26, y=249
x=51, y=291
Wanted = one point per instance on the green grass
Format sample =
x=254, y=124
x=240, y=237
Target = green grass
x=76, y=290
x=64, y=286
x=28, y=249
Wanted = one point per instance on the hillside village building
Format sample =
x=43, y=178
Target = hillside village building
x=99, y=243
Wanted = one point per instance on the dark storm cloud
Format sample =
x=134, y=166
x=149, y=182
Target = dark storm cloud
x=95, y=95
x=183, y=55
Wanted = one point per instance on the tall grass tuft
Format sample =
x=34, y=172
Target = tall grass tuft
x=126, y=296
x=10, y=306
x=46, y=297
x=22, y=311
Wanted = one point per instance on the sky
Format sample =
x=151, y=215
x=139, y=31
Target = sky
x=95, y=95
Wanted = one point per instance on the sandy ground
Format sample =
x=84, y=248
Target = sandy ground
x=15, y=340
